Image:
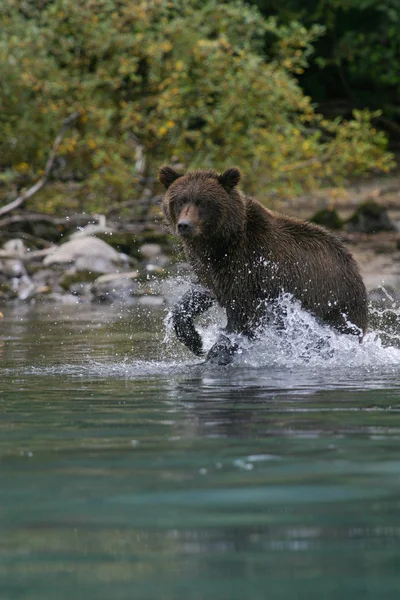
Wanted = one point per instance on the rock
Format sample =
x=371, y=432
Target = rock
x=62, y=298
x=125, y=288
x=370, y=217
x=88, y=254
x=13, y=268
x=45, y=277
x=14, y=248
x=115, y=290
x=94, y=264
x=327, y=218
x=150, y=250
x=154, y=270
x=38, y=255
x=42, y=290
x=49, y=280
x=81, y=289
x=115, y=276
x=23, y=287
x=14, y=280
x=163, y=260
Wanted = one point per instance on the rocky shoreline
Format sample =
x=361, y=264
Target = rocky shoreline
x=89, y=269
x=85, y=259
x=91, y=266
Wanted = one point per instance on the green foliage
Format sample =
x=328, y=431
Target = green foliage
x=371, y=52
x=182, y=80
x=357, y=57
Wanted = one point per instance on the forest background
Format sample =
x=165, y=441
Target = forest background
x=299, y=95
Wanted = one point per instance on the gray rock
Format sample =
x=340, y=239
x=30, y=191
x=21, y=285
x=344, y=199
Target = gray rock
x=14, y=248
x=370, y=217
x=82, y=247
x=45, y=277
x=162, y=260
x=81, y=289
x=115, y=276
x=23, y=287
x=88, y=254
x=150, y=250
x=154, y=269
x=115, y=290
x=94, y=264
x=13, y=268
x=62, y=298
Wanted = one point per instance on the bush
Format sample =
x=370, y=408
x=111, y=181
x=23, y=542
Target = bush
x=159, y=81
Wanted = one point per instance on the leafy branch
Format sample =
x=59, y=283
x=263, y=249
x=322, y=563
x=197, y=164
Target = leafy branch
x=47, y=170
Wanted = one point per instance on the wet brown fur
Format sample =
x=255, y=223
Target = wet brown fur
x=247, y=255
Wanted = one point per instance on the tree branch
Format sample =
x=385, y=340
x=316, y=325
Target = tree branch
x=286, y=170
x=47, y=170
x=307, y=163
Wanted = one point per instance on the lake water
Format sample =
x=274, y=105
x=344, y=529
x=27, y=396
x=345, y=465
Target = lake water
x=130, y=470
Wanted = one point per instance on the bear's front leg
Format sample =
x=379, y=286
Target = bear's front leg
x=195, y=302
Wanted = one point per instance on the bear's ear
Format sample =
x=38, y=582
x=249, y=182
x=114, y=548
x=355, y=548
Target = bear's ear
x=167, y=176
x=229, y=178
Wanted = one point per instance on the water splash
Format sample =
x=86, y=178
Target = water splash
x=299, y=340
x=304, y=341
x=384, y=316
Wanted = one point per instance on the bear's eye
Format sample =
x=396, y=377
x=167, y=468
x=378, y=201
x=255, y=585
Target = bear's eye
x=202, y=211
x=209, y=210
x=176, y=205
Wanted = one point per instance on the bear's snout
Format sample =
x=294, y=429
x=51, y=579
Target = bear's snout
x=188, y=221
x=185, y=227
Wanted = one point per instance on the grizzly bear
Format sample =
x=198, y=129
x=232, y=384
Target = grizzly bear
x=246, y=256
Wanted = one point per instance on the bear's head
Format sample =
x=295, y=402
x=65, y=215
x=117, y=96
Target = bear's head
x=203, y=204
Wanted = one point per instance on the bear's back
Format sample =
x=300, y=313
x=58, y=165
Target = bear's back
x=304, y=259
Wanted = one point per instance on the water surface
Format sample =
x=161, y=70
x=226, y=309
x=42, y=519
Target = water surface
x=130, y=469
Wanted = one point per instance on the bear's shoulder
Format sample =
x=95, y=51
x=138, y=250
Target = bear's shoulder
x=265, y=224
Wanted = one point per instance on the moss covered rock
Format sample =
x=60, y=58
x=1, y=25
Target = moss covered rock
x=328, y=217
x=370, y=217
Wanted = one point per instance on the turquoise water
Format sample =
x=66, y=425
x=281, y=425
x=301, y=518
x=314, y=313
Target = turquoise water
x=129, y=469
